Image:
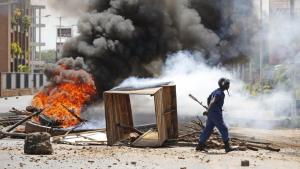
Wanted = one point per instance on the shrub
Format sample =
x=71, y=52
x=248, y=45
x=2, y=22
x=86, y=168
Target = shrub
x=16, y=49
x=26, y=22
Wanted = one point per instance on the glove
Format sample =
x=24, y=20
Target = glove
x=205, y=113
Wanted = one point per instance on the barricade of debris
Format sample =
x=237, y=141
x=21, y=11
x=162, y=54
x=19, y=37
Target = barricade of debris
x=19, y=118
x=190, y=133
x=12, y=117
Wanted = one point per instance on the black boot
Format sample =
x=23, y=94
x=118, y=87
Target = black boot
x=201, y=147
x=228, y=148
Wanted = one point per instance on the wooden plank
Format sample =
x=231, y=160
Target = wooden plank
x=174, y=119
x=160, y=118
x=109, y=113
x=170, y=109
x=116, y=119
x=117, y=111
x=148, y=139
x=149, y=91
x=124, y=115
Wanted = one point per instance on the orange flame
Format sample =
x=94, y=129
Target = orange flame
x=73, y=94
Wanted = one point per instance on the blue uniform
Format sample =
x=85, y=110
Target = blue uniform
x=215, y=118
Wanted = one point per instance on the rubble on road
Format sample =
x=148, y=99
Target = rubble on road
x=190, y=133
x=12, y=117
x=83, y=138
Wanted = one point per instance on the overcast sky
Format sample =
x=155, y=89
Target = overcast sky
x=52, y=22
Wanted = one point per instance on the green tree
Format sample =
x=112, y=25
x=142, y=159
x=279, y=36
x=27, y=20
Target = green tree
x=24, y=68
x=26, y=22
x=48, y=56
x=16, y=49
x=282, y=76
x=16, y=16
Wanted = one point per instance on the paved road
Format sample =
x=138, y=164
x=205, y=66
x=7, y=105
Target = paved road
x=77, y=157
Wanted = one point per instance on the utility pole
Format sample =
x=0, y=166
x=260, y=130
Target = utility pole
x=292, y=8
x=294, y=67
x=60, y=30
x=261, y=48
x=60, y=41
x=40, y=34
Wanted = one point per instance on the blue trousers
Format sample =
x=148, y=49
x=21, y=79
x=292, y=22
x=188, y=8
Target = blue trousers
x=214, y=119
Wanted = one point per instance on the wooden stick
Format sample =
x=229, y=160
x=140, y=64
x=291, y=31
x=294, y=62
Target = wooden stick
x=252, y=148
x=91, y=142
x=195, y=132
x=6, y=133
x=130, y=128
x=85, y=137
x=72, y=129
x=19, y=112
x=195, y=99
x=74, y=114
x=249, y=141
x=85, y=132
x=23, y=121
x=263, y=147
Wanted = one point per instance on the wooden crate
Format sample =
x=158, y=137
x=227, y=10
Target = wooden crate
x=118, y=112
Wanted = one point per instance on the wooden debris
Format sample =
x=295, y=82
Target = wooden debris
x=10, y=118
x=148, y=139
x=85, y=138
x=7, y=132
x=72, y=112
x=130, y=128
x=119, y=117
x=252, y=148
x=191, y=132
x=266, y=147
x=20, y=112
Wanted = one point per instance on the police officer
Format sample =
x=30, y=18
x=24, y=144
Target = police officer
x=215, y=117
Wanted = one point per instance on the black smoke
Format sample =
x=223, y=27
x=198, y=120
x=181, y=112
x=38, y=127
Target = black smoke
x=119, y=37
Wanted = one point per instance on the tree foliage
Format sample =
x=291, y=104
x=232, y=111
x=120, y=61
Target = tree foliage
x=24, y=68
x=26, y=22
x=48, y=56
x=16, y=49
x=16, y=16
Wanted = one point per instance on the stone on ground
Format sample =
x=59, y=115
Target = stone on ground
x=38, y=144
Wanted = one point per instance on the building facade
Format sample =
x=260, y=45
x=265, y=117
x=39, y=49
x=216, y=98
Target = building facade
x=20, y=34
x=15, y=25
x=36, y=35
x=17, y=46
x=5, y=40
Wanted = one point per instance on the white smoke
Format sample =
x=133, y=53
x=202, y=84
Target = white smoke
x=69, y=8
x=192, y=75
x=284, y=37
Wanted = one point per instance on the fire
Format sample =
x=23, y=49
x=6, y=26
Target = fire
x=72, y=92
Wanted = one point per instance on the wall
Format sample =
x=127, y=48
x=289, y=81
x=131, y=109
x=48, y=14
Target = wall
x=18, y=84
x=4, y=38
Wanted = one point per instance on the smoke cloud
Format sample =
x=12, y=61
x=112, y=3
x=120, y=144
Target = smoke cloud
x=191, y=74
x=67, y=70
x=119, y=38
x=122, y=38
x=73, y=8
x=284, y=35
